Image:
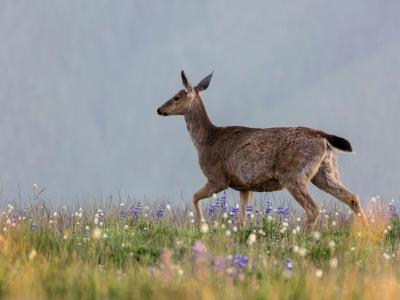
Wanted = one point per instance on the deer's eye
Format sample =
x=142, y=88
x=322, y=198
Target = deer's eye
x=175, y=98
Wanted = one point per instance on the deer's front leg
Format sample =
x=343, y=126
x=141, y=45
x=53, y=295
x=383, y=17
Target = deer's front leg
x=205, y=192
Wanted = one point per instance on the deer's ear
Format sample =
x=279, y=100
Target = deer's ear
x=203, y=85
x=186, y=82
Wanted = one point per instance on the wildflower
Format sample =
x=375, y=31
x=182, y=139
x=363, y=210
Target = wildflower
x=228, y=233
x=212, y=210
x=33, y=254
x=316, y=235
x=296, y=249
x=55, y=214
x=96, y=233
x=34, y=226
x=105, y=235
x=136, y=210
x=288, y=264
x=386, y=256
x=298, y=219
x=87, y=228
x=302, y=251
x=168, y=207
x=191, y=214
x=333, y=263
x=241, y=262
x=373, y=199
x=331, y=244
x=160, y=211
x=199, y=248
x=225, y=215
x=393, y=210
x=283, y=211
x=249, y=209
x=318, y=273
x=252, y=239
x=204, y=228
x=122, y=204
x=268, y=206
x=222, y=202
x=234, y=229
x=234, y=211
x=333, y=223
x=126, y=227
x=214, y=196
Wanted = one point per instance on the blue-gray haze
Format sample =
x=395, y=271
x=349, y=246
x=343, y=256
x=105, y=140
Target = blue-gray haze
x=80, y=82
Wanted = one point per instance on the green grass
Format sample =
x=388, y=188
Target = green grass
x=68, y=256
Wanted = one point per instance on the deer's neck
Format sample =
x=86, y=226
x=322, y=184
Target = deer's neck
x=198, y=123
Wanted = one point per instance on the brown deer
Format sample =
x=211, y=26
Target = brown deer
x=261, y=160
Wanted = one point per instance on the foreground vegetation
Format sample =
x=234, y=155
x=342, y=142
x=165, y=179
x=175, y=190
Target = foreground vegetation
x=132, y=251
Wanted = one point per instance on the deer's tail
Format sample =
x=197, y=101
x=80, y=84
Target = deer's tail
x=338, y=142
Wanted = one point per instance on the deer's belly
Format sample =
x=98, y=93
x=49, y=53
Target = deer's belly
x=262, y=185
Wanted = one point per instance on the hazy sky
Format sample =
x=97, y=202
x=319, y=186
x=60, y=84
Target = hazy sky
x=80, y=82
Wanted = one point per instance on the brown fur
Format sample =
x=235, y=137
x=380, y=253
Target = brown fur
x=261, y=160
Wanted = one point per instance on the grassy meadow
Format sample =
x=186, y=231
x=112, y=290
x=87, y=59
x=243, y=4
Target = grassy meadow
x=136, y=251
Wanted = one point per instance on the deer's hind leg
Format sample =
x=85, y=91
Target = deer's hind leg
x=328, y=180
x=245, y=200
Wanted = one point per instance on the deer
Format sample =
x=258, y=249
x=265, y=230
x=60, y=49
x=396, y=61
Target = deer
x=261, y=159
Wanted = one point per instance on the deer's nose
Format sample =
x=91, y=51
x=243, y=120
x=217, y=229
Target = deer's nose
x=159, y=111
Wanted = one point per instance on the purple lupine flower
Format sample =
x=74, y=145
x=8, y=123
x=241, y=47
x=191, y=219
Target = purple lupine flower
x=288, y=264
x=34, y=226
x=283, y=211
x=234, y=211
x=249, y=209
x=241, y=262
x=268, y=206
x=213, y=210
x=136, y=210
x=393, y=211
x=222, y=202
x=160, y=211
x=199, y=249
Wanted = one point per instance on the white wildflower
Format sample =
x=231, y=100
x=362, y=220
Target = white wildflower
x=318, y=273
x=316, y=235
x=333, y=263
x=302, y=251
x=96, y=233
x=252, y=239
x=204, y=228
x=33, y=254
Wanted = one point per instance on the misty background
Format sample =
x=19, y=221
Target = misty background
x=80, y=82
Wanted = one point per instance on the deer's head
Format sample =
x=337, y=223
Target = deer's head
x=182, y=101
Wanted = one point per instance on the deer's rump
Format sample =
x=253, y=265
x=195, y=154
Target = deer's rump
x=262, y=159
